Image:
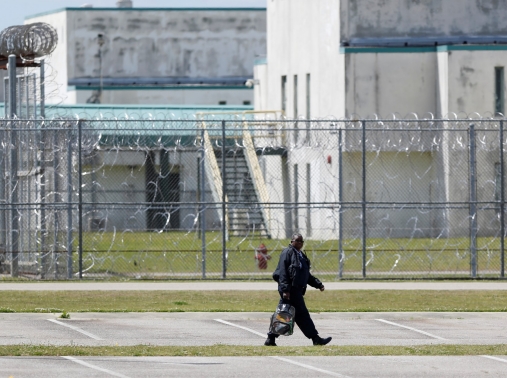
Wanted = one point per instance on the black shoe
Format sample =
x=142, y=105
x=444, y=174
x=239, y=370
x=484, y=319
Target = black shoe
x=317, y=340
x=270, y=342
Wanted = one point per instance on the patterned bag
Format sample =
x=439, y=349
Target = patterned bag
x=282, y=320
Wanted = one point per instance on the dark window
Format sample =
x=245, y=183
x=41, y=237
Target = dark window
x=295, y=96
x=499, y=91
x=308, y=83
x=284, y=94
x=308, y=114
x=222, y=102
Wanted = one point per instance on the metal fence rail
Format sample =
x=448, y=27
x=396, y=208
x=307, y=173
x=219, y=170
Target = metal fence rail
x=199, y=199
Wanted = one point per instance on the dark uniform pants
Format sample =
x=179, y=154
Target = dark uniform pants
x=302, y=318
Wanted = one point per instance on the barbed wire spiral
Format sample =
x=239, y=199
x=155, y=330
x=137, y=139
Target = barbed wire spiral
x=32, y=40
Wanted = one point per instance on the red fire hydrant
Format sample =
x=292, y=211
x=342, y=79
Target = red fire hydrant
x=262, y=257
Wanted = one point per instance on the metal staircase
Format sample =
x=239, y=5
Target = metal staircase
x=245, y=210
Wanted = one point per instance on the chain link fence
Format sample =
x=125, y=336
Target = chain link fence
x=206, y=198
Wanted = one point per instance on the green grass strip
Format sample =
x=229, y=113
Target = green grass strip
x=243, y=351
x=252, y=301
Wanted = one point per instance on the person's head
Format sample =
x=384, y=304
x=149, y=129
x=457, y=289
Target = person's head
x=297, y=241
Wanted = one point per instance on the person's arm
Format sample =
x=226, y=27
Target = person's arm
x=315, y=282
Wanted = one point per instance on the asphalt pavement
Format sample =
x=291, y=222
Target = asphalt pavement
x=242, y=329
x=248, y=329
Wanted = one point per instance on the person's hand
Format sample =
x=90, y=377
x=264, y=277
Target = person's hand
x=286, y=296
x=322, y=288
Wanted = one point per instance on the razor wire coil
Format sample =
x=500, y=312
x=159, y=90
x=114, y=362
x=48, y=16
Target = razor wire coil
x=32, y=40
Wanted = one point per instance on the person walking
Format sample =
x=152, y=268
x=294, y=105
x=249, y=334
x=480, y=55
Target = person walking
x=293, y=276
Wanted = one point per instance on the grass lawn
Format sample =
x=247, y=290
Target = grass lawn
x=255, y=301
x=235, y=350
x=179, y=254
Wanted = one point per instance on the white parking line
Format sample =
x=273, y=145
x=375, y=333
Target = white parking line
x=410, y=328
x=75, y=329
x=73, y=359
x=238, y=326
x=495, y=358
x=310, y=367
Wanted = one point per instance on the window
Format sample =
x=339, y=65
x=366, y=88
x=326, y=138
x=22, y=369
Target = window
x=499, y=91
x=222, y=102
x=308, y=96
x=308, y=114
x=246, y=102
x=295, y=96
x=284, y=94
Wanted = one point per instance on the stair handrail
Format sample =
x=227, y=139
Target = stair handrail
x=213, y=174
x=260, y=186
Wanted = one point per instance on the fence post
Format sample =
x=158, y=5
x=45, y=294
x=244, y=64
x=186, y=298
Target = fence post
x=224, y=214
x=42, y=89
x=502, y=206
x=202, y=207
x=473, y=203
x=80, y=194
x=340, y=204
x=69, y=204
x=295, y=204
x=3, y=199
x=57, y=195
x=13, y=168
x=363, y=210
x=43, y=137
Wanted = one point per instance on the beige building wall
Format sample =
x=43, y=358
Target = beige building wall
x=146, y=43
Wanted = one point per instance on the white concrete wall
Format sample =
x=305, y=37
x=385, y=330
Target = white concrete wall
x=261, y=88
x=181, y=96
x=443, y=83
x=391, y=177
x=426, y=18
x=472, y=80
x=390, y=83
x=454, y=81
x=120, y=178
x=166, y=43
x=271, y=168
x=305, y=36
x=158, y=43
x=304, y=39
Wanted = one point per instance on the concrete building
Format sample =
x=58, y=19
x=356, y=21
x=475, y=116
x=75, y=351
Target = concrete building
x=131, y=55
x=140, y=164
x=362, y=59
x=345, y=58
